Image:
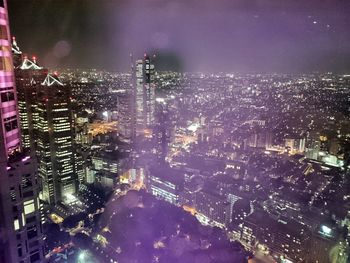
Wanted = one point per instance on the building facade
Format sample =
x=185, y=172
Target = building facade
x=21, y=238
x=144, y=94
x=54, y=128
x=125, y=126
x=28, y=75
x=165, y=184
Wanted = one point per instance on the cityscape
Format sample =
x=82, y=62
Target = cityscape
x=157, y=161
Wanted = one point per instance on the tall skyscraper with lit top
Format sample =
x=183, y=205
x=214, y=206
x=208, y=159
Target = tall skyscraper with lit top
x=46, y=125
x=144, y=94
x=21, y=238
x=28, y=75
x=54, y=129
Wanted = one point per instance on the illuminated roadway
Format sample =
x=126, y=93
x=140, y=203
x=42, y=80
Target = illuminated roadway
x=97, y=128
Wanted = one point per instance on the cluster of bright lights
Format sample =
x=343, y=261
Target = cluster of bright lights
x=82, y=256
x=326, y=230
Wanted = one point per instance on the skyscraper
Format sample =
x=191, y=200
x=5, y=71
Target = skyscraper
x=45, y=112
x=21, y=238
x=125, y=118
x=162, y=130
x=28, y=75
x=46, y=125
x=144, y=94
x=54, y=128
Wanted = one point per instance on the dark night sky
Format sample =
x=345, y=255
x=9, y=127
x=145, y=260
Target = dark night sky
x=209, y=35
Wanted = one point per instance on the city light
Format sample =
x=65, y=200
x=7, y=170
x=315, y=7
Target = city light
x=174, y=132
x=83, y=257
x=70, y=197
x=326, y=230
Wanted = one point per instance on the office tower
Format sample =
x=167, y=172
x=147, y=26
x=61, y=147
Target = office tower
x=213, y=207
x=28, y=74
x=46, y=127
x=79, y=168
x=313, y=146
x=165, y=183
x=144, y=94
x=106, y=167
x=295, y=144
x=149, y=91
x=125, y=116
x=54, y=128
x=161, y=131
x=21, y=238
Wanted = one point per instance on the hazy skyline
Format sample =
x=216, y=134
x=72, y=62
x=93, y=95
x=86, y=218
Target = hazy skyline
x=260, y=35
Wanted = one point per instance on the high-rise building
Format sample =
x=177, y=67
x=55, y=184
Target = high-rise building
x=125, y=116
x=213, y=208
x=45, y=113
x=165, y=183
x=54, y=128
x=28, y=74
x=295, y=144
x=21, y=238
x=144, y=94
x=162, y=131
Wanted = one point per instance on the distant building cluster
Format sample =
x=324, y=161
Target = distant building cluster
x=250, y=154
x=264, y=157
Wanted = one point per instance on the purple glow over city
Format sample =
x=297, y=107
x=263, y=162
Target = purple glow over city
x=146, y=131
x=238, y=35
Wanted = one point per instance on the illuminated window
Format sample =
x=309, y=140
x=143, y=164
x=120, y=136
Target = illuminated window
x=16, y=224
x=23, y=219
x=13, y=194
x=29, y=207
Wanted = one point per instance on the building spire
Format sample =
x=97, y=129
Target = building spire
x=52, y=79
x=29, y=64
x=15, y=48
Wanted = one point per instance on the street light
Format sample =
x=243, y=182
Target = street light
x=82, y=256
